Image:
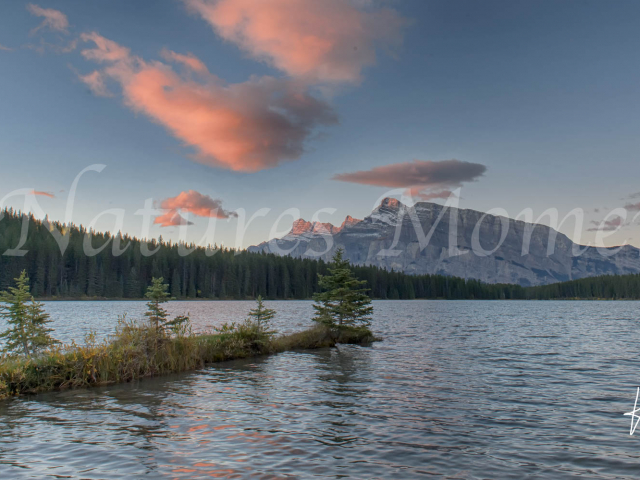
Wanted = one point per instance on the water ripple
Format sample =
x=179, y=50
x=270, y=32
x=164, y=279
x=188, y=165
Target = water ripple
x=457, y=390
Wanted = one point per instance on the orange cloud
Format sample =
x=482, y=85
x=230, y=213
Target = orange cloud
x=318, y=40
x=189, y=60
x=53, y=19
x=426, y=179
x=171, y=219
x=247, y=126
x=191, y=202
x=198, y=204
x=42, y=194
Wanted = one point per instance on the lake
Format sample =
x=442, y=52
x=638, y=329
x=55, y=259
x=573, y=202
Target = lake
x=457, y=389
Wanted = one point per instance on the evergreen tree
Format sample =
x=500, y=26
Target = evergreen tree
x=343, y=301
x=261, y=314
x=233, y=274
x=27, y=332
x=157, y=295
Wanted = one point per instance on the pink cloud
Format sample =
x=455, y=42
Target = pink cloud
x=192, y=202
x=197, y=204
x=42, y=194
x=247, y=126
x=53, y=19
x=6, y=49
x=189, y=60
x=95, y=82
x=106, y=50
x=417, y=191
x=318, y=40
x=171, y=219
x=425, y=179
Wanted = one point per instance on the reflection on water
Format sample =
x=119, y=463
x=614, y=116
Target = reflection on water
x=456, y=390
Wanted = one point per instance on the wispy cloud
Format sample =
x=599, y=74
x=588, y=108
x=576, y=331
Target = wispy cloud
x=5, y=49
x=607, y=225
x=95, y=82
x=193, y=202
x=42, y=194
x=317, y=40
x=53, y=19
x=189, y=60
x=426, y=179
x=247, y=126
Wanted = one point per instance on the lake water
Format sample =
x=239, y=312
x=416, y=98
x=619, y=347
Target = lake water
x=456, y=390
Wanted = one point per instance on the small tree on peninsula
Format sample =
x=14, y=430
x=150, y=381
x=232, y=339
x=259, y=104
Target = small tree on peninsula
x=27, y=320
x=157, y=293
x=343, y=301
x=261, y=314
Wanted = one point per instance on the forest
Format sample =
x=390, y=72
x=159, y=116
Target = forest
x=225, y=273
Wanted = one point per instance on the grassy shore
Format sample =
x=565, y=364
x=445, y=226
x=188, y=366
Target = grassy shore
x=139, y=351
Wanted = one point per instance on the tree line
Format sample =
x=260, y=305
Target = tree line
x=214, y=272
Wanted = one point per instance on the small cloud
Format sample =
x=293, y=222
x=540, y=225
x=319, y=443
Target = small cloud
x=607, y=225
x=425, y=179
x=95, y=82
x=189, y=60
x=106, y=50
x=53, y=19
x=42, y=194
x=6, y=49
x=192, y=202
x=633, y=196
x=633, y=206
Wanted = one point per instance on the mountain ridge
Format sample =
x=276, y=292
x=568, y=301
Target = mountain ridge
x=458, y=242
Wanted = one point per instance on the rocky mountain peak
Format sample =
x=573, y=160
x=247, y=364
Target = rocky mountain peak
x=349, y=221
x=301, y=226
x=369, y=243
x=391, y=204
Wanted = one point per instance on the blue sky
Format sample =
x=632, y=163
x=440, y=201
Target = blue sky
x=545, y=95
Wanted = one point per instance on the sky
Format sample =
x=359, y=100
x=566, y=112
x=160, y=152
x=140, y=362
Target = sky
x=247, y=114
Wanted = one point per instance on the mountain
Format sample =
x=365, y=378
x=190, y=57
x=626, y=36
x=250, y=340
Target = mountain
x=428, y=238
x=302, y=227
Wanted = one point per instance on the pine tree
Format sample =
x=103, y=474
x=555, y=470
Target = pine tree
x=261, y=314
x=343, y=301
x=27, y=332
x=157, y=295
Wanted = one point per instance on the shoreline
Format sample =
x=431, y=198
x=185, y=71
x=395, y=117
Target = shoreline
x=138, y=351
